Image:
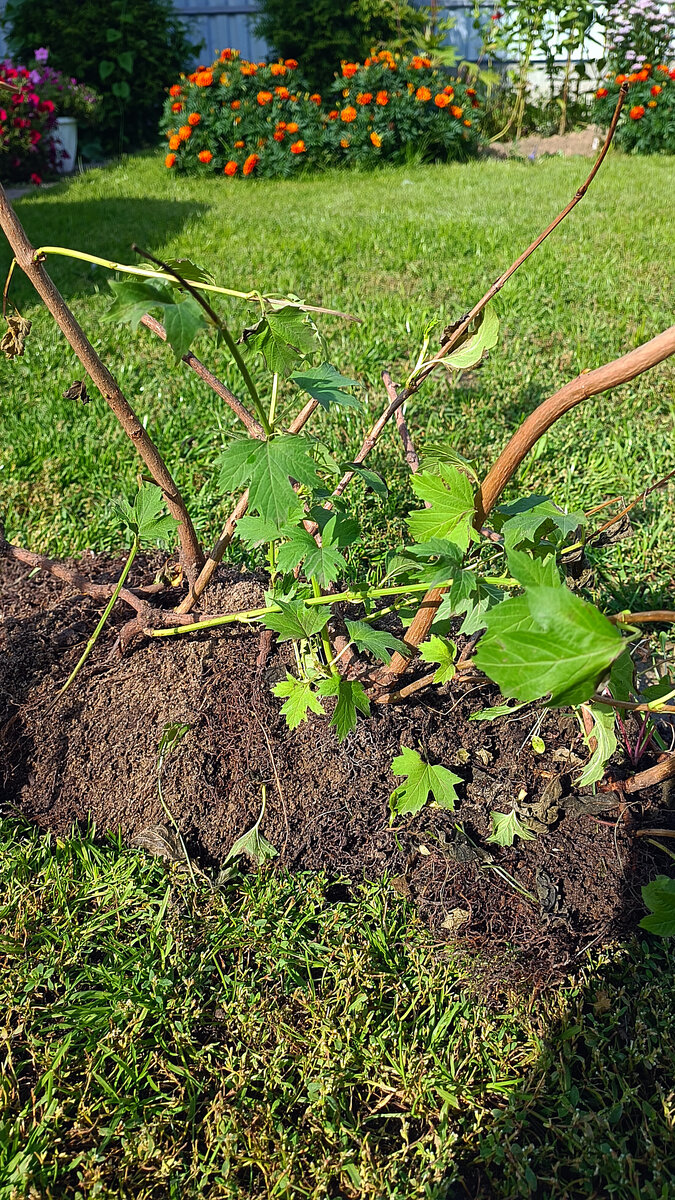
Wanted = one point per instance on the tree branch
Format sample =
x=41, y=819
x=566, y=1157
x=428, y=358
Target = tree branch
x=24, y=254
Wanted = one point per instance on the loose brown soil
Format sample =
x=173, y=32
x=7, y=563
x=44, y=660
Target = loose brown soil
x=94, y=754
x=584, y=142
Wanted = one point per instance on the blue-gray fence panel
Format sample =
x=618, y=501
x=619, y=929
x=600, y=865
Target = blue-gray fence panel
x=221, y=23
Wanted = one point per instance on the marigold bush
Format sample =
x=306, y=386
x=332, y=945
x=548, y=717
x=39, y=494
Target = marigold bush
x=27, y=151
x=392, y=106
x=241, y=118
x=647, y=123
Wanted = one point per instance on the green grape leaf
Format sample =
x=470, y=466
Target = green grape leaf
x=659, y=895
x=533, y=518
x=134, y=298
x=442, y=651
x=506, y=828
x=350, y=697
x=422, y=780
x=436, y=454
x=186, y=269
x=378, y=641
x=433, y=562
x=254, y=531
x=603, y=732
x=335, y=527
x=300, y=698
x=254, y=846
x=533, y=572
x=471, y=596
x=323, y=562
x=371, y=478
x=622, y=677
x=146, y=517
x=472, y=350
x=268, y=467
x=451, y=498
x=284, y=337
x=327, y=385
x=547, y=641
x=182, y=322
x=297, y=621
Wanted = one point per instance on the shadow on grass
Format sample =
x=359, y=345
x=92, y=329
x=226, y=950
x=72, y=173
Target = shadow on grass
x=105, y=227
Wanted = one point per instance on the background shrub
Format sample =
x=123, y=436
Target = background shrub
x=320, y=33
x=130, y=50
x=246, y=118
x=394, y=107
x=647, y=124
x=26, y=121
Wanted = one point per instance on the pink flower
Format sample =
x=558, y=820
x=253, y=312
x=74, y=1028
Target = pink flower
x=41, y=55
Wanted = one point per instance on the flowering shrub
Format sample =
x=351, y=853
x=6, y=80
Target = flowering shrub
x=243, y=118
x=639, y=31
x=391, y=104
x=648, y=120
x=70, y=98
x=26, y=119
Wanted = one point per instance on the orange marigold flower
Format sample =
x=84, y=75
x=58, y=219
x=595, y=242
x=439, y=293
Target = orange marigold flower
x=423, y=93
x=652, y=104
x=291, y=63
x=169, y=160
x=448, y=91
x=348, y=115
x=292, y=127
x=205, y=156
x=315, y=98
x=647, y=67
x=282, y=92
x=250, y=164
x=642, y=75
x=467, y=123
x=265, y=98
x=417, y=62
x=298, y=147
x=382, y=98
x=248, y=68
x=333, y=114
x=349, y=69
x=344, y=142
x=277, y=68
x=471, y=91
x=637, y=112
x=278, y=135
x=175, y=90
x=456, y=111
x=621, y=79
x=441, y=100
x=656, y=89
x=176, y=106
x=185, y=132
x=193, y=76
x=204, y=78
x=226, y=55
x=235, y=104
x=237, y=120
x=262, y=142
x=239, y=145
x=376, y=140
x=174, y=143
x=662, y=67
x=632, y=77
x=671, y=74
x=601, y=93
x=194, y=119
x=231, y=167
x=364, y=98
x=281, y=124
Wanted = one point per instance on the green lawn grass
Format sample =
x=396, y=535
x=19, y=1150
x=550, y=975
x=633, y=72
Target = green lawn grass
x=283, y=1038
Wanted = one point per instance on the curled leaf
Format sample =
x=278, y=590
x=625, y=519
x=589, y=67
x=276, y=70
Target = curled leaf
x=13, y=341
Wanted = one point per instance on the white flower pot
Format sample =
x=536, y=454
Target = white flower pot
x=65, y=138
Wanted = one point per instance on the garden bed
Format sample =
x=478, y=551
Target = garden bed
x=94, y=753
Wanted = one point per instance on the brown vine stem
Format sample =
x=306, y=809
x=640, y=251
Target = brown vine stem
x=221, y=389
x=653, y=487
x=227, y=533
x=589, y=383
x=136, y=598
x=24, y=254
x=664, y=616
x=458, y=334
x=644, y=779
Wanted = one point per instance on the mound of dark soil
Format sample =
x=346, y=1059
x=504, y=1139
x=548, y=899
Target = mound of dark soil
x=94, y=753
